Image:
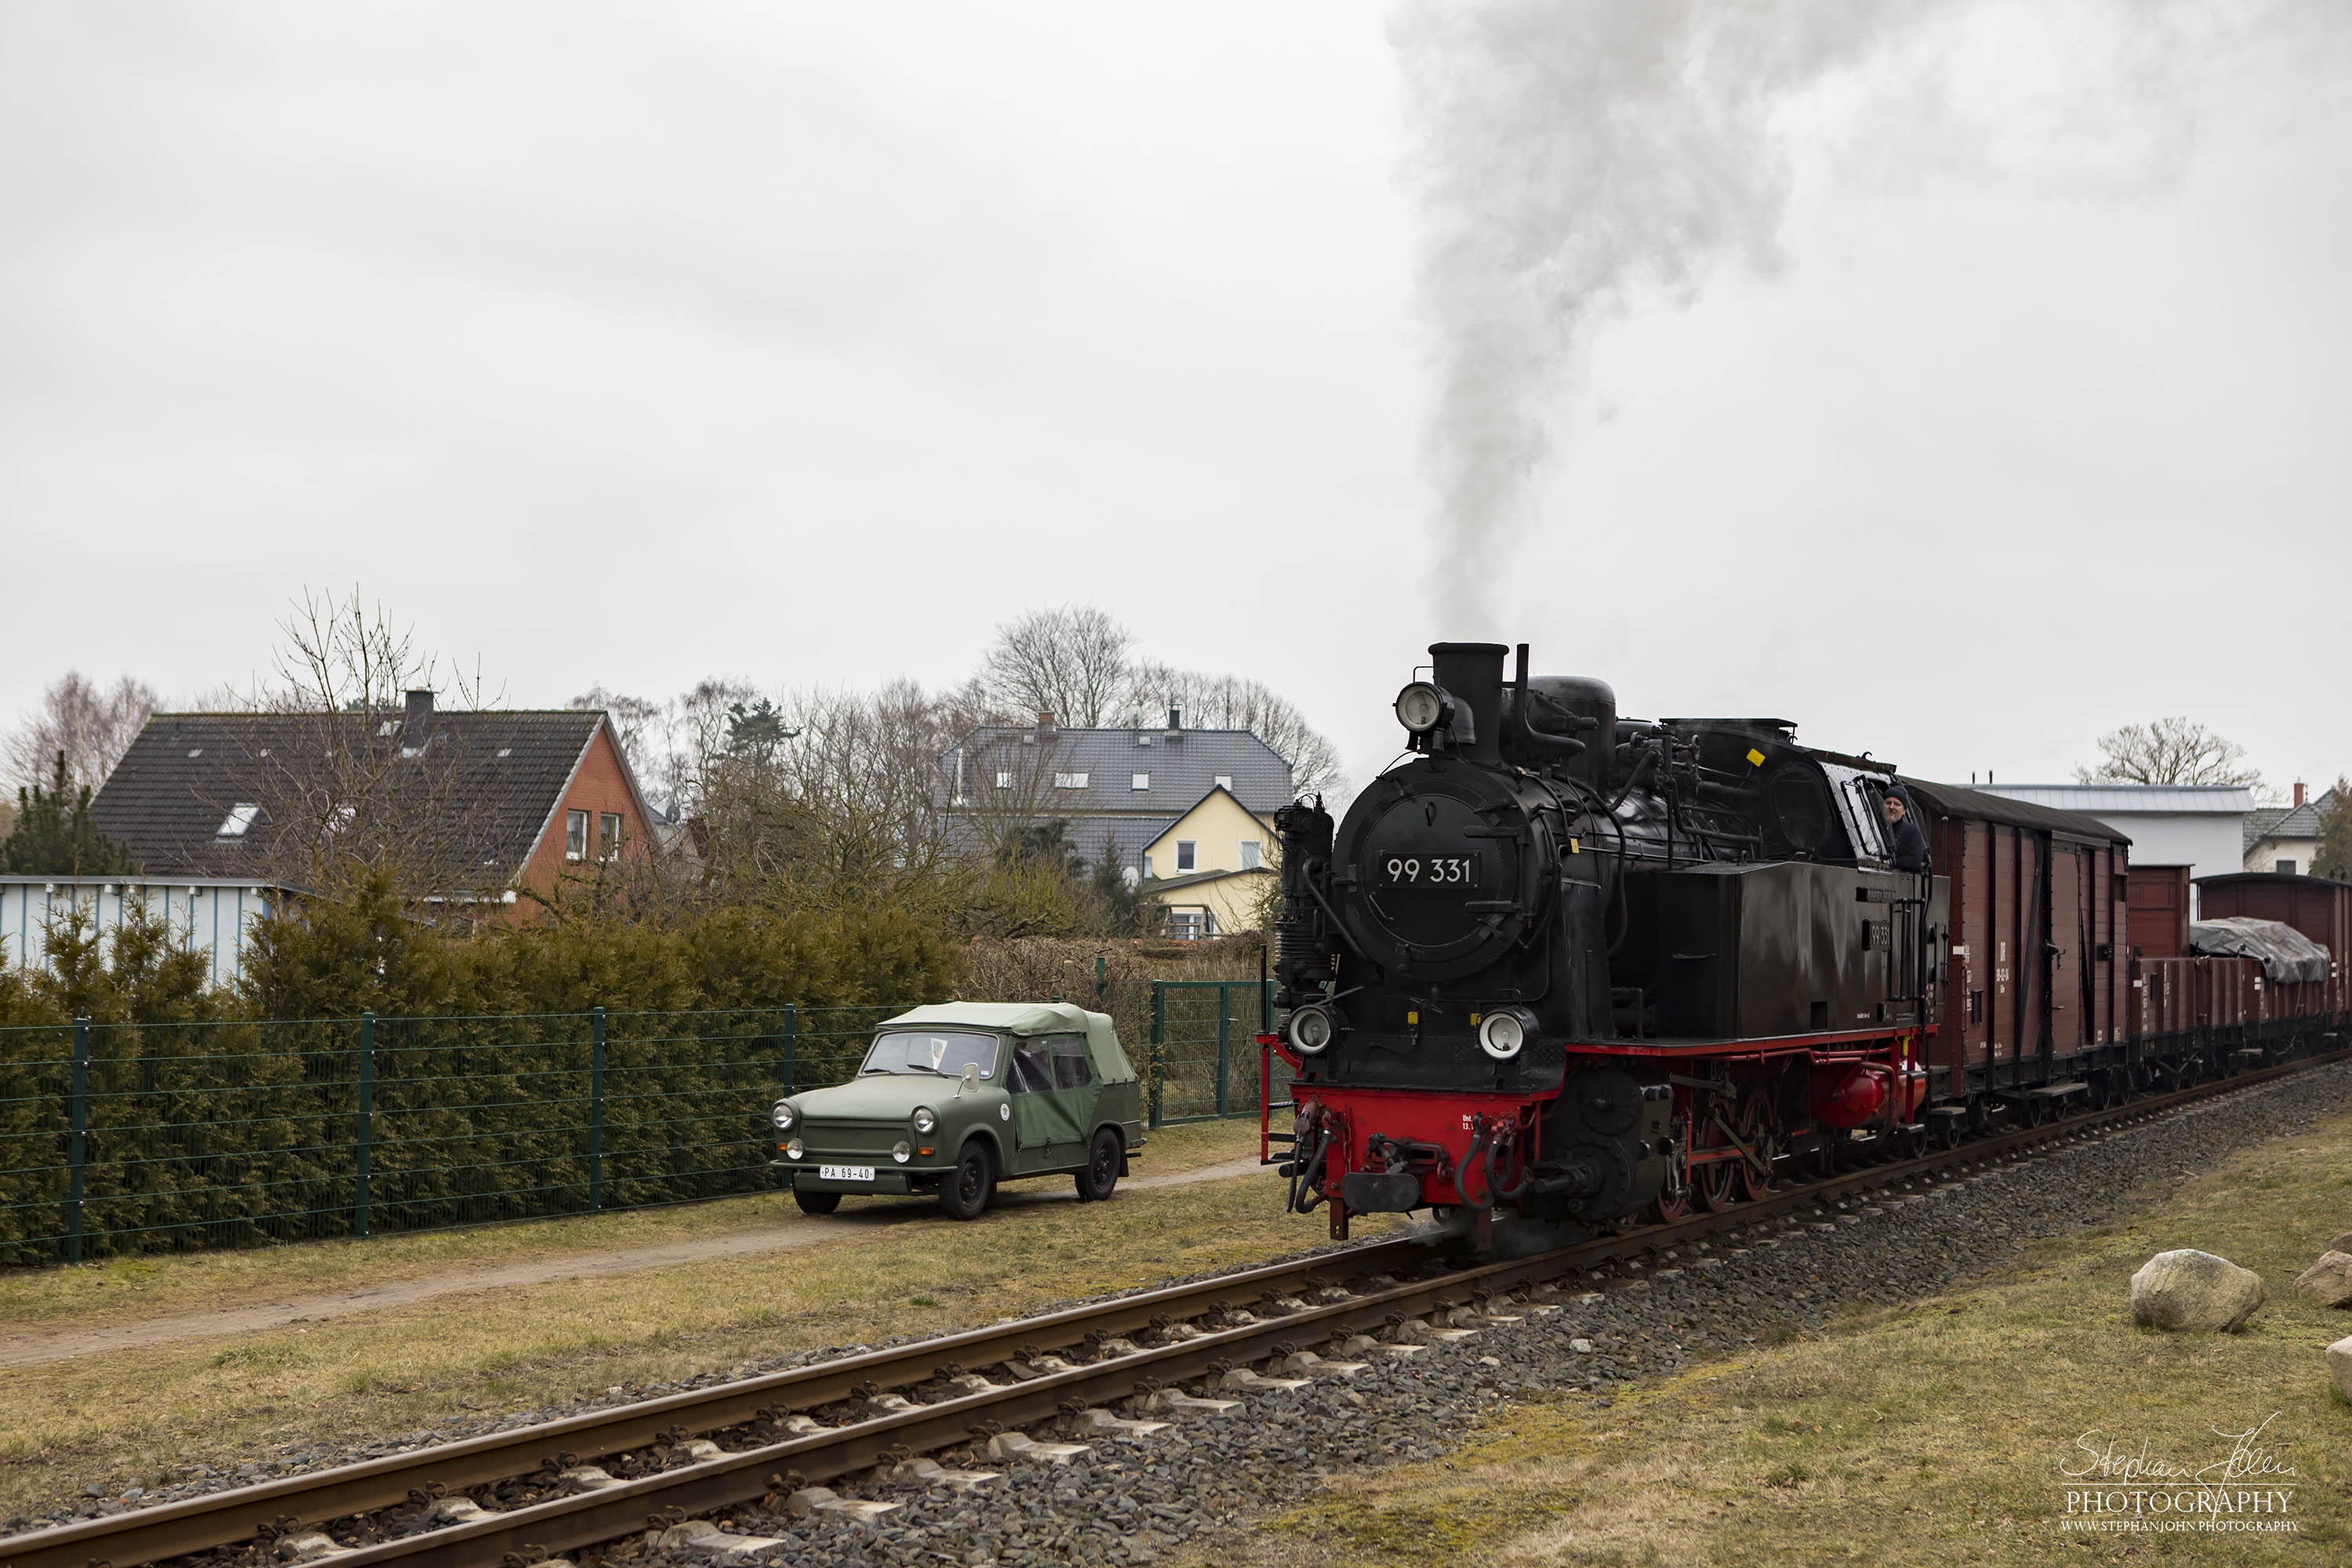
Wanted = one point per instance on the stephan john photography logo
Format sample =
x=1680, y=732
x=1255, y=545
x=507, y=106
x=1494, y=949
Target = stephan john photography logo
x=2239, y=1483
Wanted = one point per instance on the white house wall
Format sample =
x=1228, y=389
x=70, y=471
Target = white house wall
x=214, y=919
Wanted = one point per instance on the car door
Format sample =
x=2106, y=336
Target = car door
x=1074, y=1096
x=1037, y=1112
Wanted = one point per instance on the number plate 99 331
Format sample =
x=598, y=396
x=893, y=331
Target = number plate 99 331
x=1426, y=871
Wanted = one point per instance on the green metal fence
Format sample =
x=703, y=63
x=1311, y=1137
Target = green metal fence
x=1204, y=1053
x=158, y=1137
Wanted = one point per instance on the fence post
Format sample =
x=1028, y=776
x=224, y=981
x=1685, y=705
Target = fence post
x=1159, y=1039
x=595, y=1109
x=792, y=1045
x=1224, y=1040
x=364, y=1160
x=1102, y=983
x=78, y=1121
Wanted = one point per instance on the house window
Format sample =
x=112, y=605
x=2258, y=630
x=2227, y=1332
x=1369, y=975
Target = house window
x=240, y=818
x=1188, y=925
x=609, y=844
x=1187, y=856
x=1147, y=867
x=1069, y=781
x=1003, y=779
x=575, y=835
x=1253, y=854
x=1224, y=781
x=1141, y=780
x=2285, y=868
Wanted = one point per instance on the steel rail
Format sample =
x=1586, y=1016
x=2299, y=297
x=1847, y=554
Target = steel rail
x=564, y=1523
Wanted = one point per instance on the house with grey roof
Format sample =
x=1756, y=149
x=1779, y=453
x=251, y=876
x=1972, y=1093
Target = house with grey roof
x=2285, y=838
x=217, y=810
x=1122, y=793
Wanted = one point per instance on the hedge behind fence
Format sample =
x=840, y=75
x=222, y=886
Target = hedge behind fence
x=233, y=1133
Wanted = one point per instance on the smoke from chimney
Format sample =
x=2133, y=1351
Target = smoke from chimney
x=1569, y=159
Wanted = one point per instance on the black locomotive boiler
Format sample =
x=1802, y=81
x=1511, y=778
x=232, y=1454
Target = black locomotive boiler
x=1580, y=968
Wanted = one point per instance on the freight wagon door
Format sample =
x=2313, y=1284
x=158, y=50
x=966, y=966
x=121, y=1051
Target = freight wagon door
x=2069, y=908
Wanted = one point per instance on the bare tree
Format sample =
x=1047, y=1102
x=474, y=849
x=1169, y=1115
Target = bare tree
x=1071, y=662
x=93, y=725
x=2175, y=751
x=1238, y=702
x=344, y=784
x=2334, y=856
x=649, y=734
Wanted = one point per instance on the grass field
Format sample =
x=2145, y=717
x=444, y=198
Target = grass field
x=1926, y=1434
x=146, y=1416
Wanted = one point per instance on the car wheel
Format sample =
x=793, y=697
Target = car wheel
x=816, y=1203
x=1100, y=1172
x=971, y=1185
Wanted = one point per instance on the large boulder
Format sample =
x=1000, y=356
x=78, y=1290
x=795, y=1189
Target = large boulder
x=2339, y=1366
x=2329, y=1280
x=2341, y=1244
x=2194, y=1290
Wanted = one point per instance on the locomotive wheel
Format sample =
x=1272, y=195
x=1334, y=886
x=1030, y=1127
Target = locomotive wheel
x=1723, y=1183
x=1910, y=1143
x=1949, y=1131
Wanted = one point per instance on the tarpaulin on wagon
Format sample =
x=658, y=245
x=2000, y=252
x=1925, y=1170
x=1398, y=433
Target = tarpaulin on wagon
x=2288, y=955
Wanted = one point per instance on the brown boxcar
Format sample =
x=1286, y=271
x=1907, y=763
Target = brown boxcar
x=2038, y=992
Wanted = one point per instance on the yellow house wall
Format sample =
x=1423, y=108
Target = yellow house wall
x=1217, y=826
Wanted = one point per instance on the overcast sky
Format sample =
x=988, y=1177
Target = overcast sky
x=634, y=344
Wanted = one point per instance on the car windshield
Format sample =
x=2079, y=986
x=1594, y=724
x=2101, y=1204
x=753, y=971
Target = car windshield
x=924, y=1051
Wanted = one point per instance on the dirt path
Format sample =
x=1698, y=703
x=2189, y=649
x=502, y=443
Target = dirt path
x=787, y=1230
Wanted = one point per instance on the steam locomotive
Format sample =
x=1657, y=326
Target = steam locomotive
x=1586, y=971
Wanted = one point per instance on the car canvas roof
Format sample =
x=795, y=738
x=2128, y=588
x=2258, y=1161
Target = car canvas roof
x=1111, y=1065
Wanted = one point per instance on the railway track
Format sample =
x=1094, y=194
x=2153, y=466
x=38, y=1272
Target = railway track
x=790, y=1432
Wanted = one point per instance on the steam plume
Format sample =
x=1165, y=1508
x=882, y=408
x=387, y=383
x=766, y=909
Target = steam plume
x=1570, y=152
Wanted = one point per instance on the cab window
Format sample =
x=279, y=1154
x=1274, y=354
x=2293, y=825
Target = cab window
x=1071, y=1068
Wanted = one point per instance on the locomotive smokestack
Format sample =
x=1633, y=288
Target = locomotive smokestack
x=1472, y=673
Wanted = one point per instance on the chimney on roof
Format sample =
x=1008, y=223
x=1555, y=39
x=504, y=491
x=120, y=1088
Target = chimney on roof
x=2298, y=794
x=1044, y=717
x=419, y=712
x=1175, y=718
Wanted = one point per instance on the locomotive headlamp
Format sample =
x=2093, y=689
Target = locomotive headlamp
x=785, y=1115
x=1421, y=707
x=1311, y=1029
x=925, y=1119
x=1505, y=1033
x=795, y=1149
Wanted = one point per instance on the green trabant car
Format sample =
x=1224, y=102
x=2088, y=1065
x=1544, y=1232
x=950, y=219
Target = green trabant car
x=953, y=1099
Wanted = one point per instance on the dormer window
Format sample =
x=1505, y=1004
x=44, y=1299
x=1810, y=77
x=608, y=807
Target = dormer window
x=1142, y=781
x=240, y=818
x=1003, y=779
x=1070, y=781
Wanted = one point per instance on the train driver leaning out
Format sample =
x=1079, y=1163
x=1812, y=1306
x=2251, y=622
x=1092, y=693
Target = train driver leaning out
x=1903, y=834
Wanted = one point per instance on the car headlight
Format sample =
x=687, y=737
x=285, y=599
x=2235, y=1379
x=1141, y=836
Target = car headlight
x=925, y=1119
x=1505, y=1033
x=902, y=1150
x=1421, y=707
x=1311, y=1029
x=784, y=1115
x=795, y=1149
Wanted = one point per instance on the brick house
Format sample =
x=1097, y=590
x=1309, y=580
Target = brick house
x=526, y=795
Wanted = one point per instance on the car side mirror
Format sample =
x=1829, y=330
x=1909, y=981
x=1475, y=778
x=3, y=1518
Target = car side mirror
x=969, y=1084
